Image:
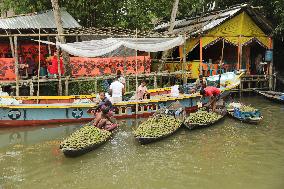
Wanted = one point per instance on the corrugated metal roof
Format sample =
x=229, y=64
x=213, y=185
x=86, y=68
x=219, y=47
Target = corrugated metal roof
x=195, y=25
x=41, y=20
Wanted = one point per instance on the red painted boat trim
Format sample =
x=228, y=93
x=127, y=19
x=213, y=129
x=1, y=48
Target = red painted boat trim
x=20, y=123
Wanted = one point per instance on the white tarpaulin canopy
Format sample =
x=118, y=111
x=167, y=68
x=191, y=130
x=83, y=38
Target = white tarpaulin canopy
x=101, y=47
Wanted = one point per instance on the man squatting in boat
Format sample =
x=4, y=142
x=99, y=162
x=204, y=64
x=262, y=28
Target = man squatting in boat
x=103, y=113
x=213, y=93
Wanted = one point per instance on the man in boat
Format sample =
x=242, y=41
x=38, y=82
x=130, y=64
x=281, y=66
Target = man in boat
x=213, y=93
x=116, y=90
x=103, y=112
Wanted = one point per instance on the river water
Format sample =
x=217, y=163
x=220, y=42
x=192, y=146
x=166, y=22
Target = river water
x=228, y=155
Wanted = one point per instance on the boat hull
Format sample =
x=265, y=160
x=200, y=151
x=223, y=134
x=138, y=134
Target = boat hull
x=248, y=120
x=41, y=114
x=271, y=95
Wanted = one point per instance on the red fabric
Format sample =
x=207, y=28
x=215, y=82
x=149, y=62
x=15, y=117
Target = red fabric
x=7, y=69
x=53, y=68
x=212, y=91
x=100, y=66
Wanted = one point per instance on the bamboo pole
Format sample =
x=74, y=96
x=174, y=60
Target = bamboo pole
x=184, y=62
x=38, y=70
x=136, y=75
x=31, y=88
x=59, y=71
x=16, y=67
x=200, y=56
x=67, y=86
x=271, y=80
x=12, y=46
x=48, y=46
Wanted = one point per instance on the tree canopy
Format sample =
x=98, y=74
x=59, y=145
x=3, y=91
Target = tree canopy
x=141, y=14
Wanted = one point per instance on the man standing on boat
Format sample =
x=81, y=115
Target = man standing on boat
x=116, y=90
x=213, y=93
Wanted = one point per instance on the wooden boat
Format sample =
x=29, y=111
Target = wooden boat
x=250, y=119
x=79, y=152
x=191, y=126
x=147, y=140
x=68, y=109
x=271, y=95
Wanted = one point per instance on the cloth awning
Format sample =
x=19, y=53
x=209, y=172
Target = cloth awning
x=96, y=48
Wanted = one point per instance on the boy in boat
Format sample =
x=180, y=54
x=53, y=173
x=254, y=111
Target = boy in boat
x=213, y=93
x=103, y=112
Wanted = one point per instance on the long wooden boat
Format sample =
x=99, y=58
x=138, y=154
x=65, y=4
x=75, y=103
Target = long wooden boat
x=191, y=126
x=68, y=109
x=271, y=95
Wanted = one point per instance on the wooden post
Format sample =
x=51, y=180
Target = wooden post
x=12, y=46
x=59, y=72
x=67, y=86
x=238, y=55
x=155, y=81
x=60, y=31
x=184, y=62
x=16, y=67
x=77, y=38
x=31, y=88
x=96, y=85
x=48, y=46
x=241, y=88
x=271, y=68
x=200, y=56
x=127, y=84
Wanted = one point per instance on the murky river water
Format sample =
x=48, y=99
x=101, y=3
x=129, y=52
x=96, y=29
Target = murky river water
x=227, y=155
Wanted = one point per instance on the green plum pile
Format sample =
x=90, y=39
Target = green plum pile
x=158, y=126
x=202, y=117
x=84, y=137
x=245, y=108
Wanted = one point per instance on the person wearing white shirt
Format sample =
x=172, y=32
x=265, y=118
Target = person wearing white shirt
x=121, y=79
x=116, y=89
x=174, y=89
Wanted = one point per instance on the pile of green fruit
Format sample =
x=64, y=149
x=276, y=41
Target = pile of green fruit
x=202, y=117
x=245, y=108
x=157, y=126
x=84, y=137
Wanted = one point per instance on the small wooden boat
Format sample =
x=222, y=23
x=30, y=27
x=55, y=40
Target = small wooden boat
x=147, y=140
x=252, y=118
x=191, y=126
x=271, y=95
x=79, y=152
x=176, y=110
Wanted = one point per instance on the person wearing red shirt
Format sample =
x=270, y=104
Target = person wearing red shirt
x=53, y=68
x=213, y=93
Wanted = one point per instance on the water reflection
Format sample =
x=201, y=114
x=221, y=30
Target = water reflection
x=228, y=155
